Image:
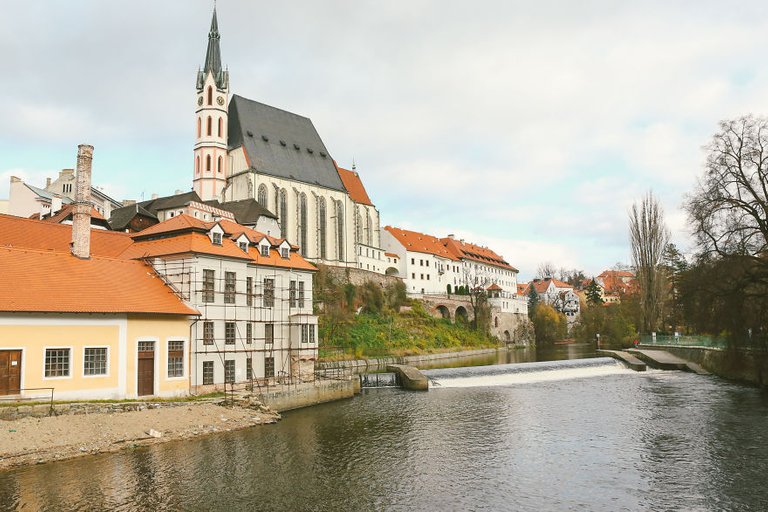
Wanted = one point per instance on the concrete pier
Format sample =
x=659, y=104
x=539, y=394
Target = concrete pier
x=665, y=361
x=410, y=377
x=631, y=361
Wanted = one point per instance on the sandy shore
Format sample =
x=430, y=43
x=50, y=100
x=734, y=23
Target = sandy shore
x=35, y=440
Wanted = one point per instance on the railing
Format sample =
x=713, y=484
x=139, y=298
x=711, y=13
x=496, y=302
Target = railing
x=684, y=340
x=19, y=398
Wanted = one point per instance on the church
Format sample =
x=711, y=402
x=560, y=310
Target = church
x=248, y=150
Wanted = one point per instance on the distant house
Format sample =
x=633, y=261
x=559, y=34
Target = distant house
x=616, y=284
x=558, y=294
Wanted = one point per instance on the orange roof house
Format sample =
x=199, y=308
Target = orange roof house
x=419, y=242
x=464, y=250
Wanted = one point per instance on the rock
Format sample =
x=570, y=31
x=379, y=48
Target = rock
x=154, y=433
x=83, y=449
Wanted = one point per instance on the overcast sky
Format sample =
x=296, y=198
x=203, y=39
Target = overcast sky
x=530, y=127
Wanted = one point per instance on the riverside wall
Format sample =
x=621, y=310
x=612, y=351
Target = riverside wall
x=365, y=365
x=740, y=365
x=309, y=393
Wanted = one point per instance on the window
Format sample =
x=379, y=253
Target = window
x=301, y=294
x=197, y=164
x=264, y=250
x=208, y=163
x=303, y=224
x=199, y=127
x=229, y=333
x=248, y=333
x=321, y=214
x=175, y=358
x=249, y=368
x=216, y=238
x=210, y=95
x=57, y=362
x=284, y=252
x=208, y=124
x=207, y=373
x=283, y=213
x=249, y=291
x=307, y=333
x=220, y=164
x=95, y=361
x=292, y=294
x=427, y=277
x=413, y=261
x=262, y=196
x=221, y=128
x=208, y=285
x=207, y=333
x=413, y=275
x=269, y=293
x=339, y=231
x=244, y=246
x=229, y=287
x=269, y=367
x=229, y=371
x=269, y=333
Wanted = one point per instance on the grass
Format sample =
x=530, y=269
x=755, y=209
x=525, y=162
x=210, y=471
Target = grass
x=190, y=398
x=397, y=334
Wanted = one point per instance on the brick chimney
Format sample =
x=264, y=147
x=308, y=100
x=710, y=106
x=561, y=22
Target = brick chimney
x=81, y=213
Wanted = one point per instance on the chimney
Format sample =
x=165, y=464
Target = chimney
x=450, y=236
x=55, y=203
x=81, y=214
x=178, y=192
x=47, y=183
x=154, y=196
x=127, y=202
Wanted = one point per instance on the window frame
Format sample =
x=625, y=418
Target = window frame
x=226, y=371
x=70, y=362
x=168, y=358
x=213, y=373
x=227, y=329
x=106, y=361
x=209, y=293
x=230, y=287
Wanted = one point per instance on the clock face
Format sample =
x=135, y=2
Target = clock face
x=220, y=100
x=200, y=101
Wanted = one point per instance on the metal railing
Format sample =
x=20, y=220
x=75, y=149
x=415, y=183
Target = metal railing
x=684, y=340
x=27, y=398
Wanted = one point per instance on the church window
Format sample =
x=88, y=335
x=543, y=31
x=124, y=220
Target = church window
x=221, y=127
x=208, y=163
x=303, y=224
x=220, y=164
x=210, y=96
x=199, y=127
x=283, y=214
x=197, y=164
x=358, y=226
x=340, y=230
x=321, y=214
x=262, y=197
x=368, y=230
x=208, y=125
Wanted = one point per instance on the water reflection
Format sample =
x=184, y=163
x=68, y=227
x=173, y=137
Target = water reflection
x=653, y=441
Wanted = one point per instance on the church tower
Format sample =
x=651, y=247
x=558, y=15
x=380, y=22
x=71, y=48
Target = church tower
x=210, y=165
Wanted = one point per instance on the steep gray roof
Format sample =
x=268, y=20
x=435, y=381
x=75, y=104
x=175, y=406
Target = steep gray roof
x=170, y=202
x=213, y=58
x=281, y=144
x=246, y=211
x=120, y=217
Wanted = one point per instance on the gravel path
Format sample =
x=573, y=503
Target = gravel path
x=35, y=440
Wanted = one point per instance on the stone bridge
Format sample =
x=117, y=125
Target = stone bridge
x=456, y=308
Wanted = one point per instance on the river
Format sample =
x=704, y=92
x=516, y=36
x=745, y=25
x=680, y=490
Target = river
x=607, y=440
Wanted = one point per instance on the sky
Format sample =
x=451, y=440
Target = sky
x=528, y=127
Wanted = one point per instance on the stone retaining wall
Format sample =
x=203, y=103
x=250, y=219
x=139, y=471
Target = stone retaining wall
x=742, y=365
x=13, y=412
x=309, y=393
x=365, y=365
x=358, y=276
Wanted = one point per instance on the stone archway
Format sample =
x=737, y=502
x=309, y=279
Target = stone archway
x=507, y=337
x=461, y=315
x=392, y=271
x=444, y=312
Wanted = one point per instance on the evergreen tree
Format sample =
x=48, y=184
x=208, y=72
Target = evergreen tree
x=533, y=301
x=594, y=297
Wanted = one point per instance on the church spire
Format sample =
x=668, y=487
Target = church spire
x=213, y=57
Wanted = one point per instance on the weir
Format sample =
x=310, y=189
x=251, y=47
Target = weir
x=379, y=380
x=524, y=373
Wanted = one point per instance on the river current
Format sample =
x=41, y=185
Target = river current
x=606, y=440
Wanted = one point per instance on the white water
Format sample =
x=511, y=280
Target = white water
x=528, y=377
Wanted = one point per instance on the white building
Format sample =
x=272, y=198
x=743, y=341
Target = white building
x=558, y=294
x=248, y=150
x=254, y=293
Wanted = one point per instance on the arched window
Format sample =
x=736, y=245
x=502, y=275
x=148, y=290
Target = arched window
x=358, y=226
x=303, y=224
x=208, y=163
x=262, y=196
x=197, y=164
x=208, y=131
x=321, y=215
x=220, y=164
x=368, y=228
x=199, y=127
x=339, y=231
x=283, y=214
x=221, y=127
x=210, y=96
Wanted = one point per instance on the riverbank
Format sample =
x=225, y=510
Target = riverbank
x=33, y=440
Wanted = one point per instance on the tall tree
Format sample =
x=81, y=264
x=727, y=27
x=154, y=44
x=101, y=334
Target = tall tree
x=594, y=297
x=648, y=237
x=545, y=270
x=533, y=300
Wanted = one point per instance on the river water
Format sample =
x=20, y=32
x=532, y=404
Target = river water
x=603, y=438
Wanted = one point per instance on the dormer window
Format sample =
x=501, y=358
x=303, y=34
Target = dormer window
x=284, y=252
x=265, y=250
x=244, y=246
x=217, y=238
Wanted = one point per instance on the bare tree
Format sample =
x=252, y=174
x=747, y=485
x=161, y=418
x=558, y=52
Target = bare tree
x=648, y=236
x=478, y=297
x=729, y=207
x=545, y=270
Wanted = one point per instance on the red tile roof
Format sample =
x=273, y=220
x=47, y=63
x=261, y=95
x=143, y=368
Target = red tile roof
x=541, y=285
x=47, y=236
x=354, y=186
x=419, y=242
x=45, y=281
x=66, y=212
x=177, y=223
x=465, y=250
x=391, y=255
